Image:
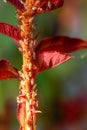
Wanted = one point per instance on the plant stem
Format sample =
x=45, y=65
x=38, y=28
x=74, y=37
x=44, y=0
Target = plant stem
x=27, y=102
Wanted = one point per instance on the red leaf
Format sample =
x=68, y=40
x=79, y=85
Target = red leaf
x=11, y=31
x=52, y=51
x=48, y=5
x=62, y=44
x=50, y=59
x=7, y=71
x=17, y=3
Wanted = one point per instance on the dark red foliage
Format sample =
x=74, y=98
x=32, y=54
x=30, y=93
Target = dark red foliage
x=11, y=31
x=50, y=59
x=43, y=6
x=17, y=3
x=63, y=44
x=52, y=51
x=49, y=5
x=7, y=71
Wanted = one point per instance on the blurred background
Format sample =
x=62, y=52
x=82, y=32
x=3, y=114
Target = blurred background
x=62, y=91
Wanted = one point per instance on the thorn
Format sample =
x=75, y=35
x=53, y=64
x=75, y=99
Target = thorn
x=36, y=111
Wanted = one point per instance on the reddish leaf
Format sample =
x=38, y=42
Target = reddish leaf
x=11, y=31
x=52, y=51
x=17, y=3
x=7, y=71
x=48, y=5
x=62, y=44
x=50, y=59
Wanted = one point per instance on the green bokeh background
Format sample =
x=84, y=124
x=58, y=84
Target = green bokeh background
x=63, y=83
